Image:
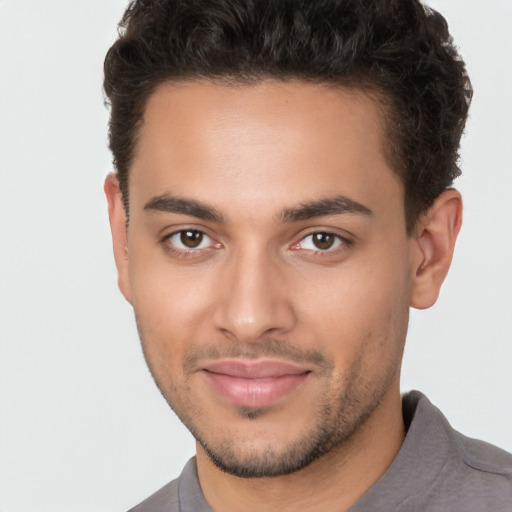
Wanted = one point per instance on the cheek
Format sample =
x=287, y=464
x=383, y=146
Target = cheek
x=167, y=293
x=170, y=307
x=361, y=307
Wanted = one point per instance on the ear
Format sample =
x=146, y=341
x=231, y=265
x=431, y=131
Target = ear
x=433, y=246
x=117, y=218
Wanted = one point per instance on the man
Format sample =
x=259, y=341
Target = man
x=282, y=197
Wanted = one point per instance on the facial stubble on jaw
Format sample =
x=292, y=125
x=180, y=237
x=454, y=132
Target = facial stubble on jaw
x=335, y=420
x=335, y=423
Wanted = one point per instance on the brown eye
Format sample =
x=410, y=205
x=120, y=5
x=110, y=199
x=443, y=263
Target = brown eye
x=323, y=241
x=189, y=242
x=191, y=238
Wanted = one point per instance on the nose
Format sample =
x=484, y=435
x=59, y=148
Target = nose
x=253, y=299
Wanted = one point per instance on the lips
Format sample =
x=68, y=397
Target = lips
x=254, y=383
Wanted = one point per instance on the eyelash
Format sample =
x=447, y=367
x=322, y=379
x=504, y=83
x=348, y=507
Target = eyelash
x=170, y=247
x=342, y=243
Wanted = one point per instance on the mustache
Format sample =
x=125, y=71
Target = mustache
x=274, y=348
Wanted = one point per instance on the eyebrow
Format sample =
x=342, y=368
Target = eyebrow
x=170, y=204
x=324, y=207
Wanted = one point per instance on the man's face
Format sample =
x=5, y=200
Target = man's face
x=268, y=266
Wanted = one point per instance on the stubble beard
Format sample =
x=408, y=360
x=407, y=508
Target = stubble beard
x=335, y=420
x=333, y=427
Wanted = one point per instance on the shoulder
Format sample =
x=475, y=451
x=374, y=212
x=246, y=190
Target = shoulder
x=181, y=495
x=164, y=500
x=478, y=457
x=485, y=457
x=475, y=476
x=488, y=473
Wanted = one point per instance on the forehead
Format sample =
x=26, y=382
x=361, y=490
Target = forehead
x=261, y=144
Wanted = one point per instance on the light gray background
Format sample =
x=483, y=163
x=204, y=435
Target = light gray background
x=82, y=426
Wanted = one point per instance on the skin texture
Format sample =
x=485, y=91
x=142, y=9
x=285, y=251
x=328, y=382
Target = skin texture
x=240, y=163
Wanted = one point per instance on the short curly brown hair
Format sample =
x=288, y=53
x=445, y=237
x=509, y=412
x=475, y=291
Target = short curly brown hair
x=398, y=49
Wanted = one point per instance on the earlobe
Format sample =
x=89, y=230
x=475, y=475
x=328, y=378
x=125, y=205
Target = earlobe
x=117, y=218
x=434, y=243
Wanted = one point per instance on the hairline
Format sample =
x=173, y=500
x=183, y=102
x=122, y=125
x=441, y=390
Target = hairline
x=383, y=101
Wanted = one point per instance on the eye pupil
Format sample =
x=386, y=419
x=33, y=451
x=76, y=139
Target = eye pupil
x=323, y=240
x=191, y=238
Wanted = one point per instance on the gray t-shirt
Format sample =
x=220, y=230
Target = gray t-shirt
x=436, y=470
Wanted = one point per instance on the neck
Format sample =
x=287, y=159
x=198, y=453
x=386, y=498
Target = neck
x=333, y=482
